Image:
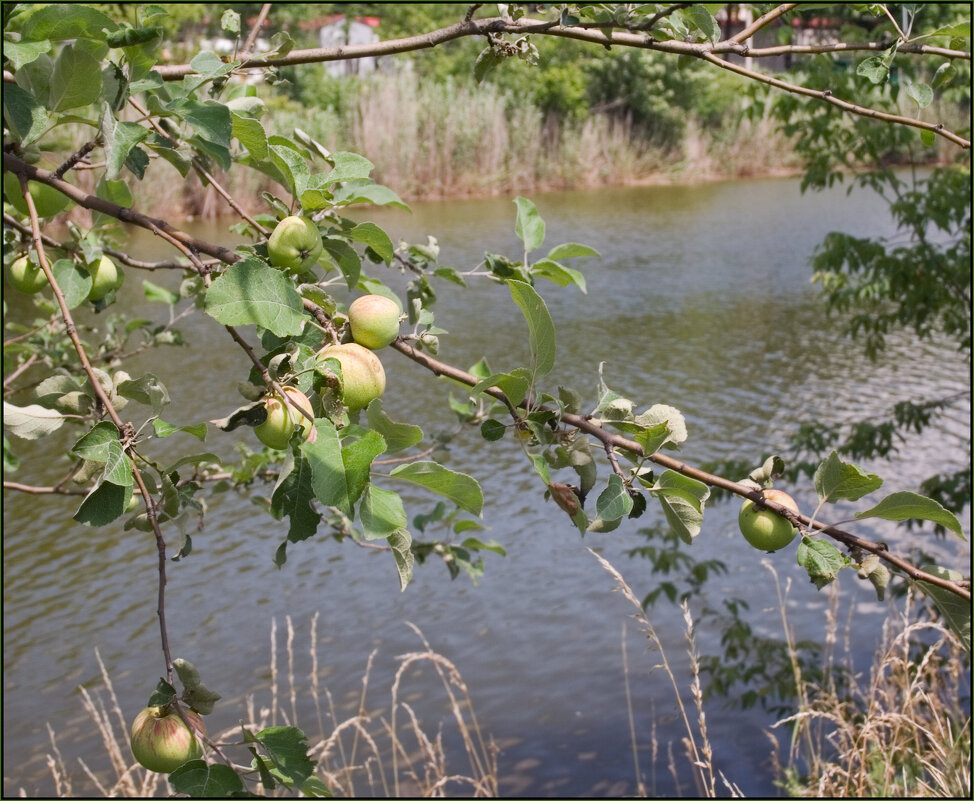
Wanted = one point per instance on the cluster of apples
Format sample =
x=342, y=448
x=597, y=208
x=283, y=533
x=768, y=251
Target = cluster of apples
x=295, y=247
x=28, y=277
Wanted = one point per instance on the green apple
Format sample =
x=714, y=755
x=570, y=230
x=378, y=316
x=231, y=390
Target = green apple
x=28, y=278
x=363, y=378
x=374, y=320
x=47, y=200
x=105, y=277
x=764, y=529
x=282, y=419
x=295, y=244
x=161, y=742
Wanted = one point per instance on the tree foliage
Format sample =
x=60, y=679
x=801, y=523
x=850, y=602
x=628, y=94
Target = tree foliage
x=100, y=68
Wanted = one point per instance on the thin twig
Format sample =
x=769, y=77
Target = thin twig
x=106, y=403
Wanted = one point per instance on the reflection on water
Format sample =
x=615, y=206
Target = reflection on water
x=701, y=300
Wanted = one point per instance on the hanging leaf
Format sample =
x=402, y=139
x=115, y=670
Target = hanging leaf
x=541, y=330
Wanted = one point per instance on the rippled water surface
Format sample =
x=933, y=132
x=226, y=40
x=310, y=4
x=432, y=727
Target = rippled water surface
x=701, y=300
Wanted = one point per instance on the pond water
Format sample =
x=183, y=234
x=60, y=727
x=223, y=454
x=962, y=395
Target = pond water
x=701, y=300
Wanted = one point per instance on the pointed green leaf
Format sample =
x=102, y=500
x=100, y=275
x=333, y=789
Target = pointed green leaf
x=250, y=133
x=460, y=488
x=373, y=236
x=381, y=512
x=559, y=274
x=95, y=446
x=682, y=499
x=327, y=467
x=955, y=610
x=572, y=250
x=910, y=506
x=401, y=543
x=357, y=458
x=529, y=226
x=614, y=501
x=293, y=495
x=398, y=436
x=837, y=480
x=287, y=749
x=104, y=504
x=26, y=118
x=251, y=292
x=76, y=80
x=822, y=560
x=541, y=329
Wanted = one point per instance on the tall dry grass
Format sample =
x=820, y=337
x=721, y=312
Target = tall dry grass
x=385, y=752
x=903, y=730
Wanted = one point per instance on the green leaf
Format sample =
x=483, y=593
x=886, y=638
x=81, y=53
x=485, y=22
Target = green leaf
x=401, y=543
x=703, y=21
x=492, y=430
x=487, y=61
x=822, y=560
x=875, y=68
x=327, y=467
x=661, y=413
x=945, y=73
x=95, y=446
x=30, y=422
x=197, y=779
x=104, y=504
x=381, y=512
x=250, y=133
x=910, y=506
x=23, y=53
x=837, y=480
x=74, y=281
x=357, y=459
x=347, y=167
x=558, y=274
x=460, y=488
x=375, y=238
x=682, y=499
x=346, y=258
x=287, y=749
x=614, y=503
x=250, y=292
x=366, y=192
x=541, y=329
x=292, y=496
x=529, y=226
x=921, y=94
x=514, y=384
x=147, y=390
x=25, y=117
x=572, y=250
x=66, y=21
x=76, y=80
x=955, y=610
x=398, y=436
x=211, y=120
x=159, y=294
x=120, y=139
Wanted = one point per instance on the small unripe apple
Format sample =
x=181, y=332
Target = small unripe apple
x=160, y=740
x=295, y=244
x=282, y=419
x=764, y=529
x=374, y=320
x=47, y=200
x=28, y=278
x=363, y=378
x=105, y=277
